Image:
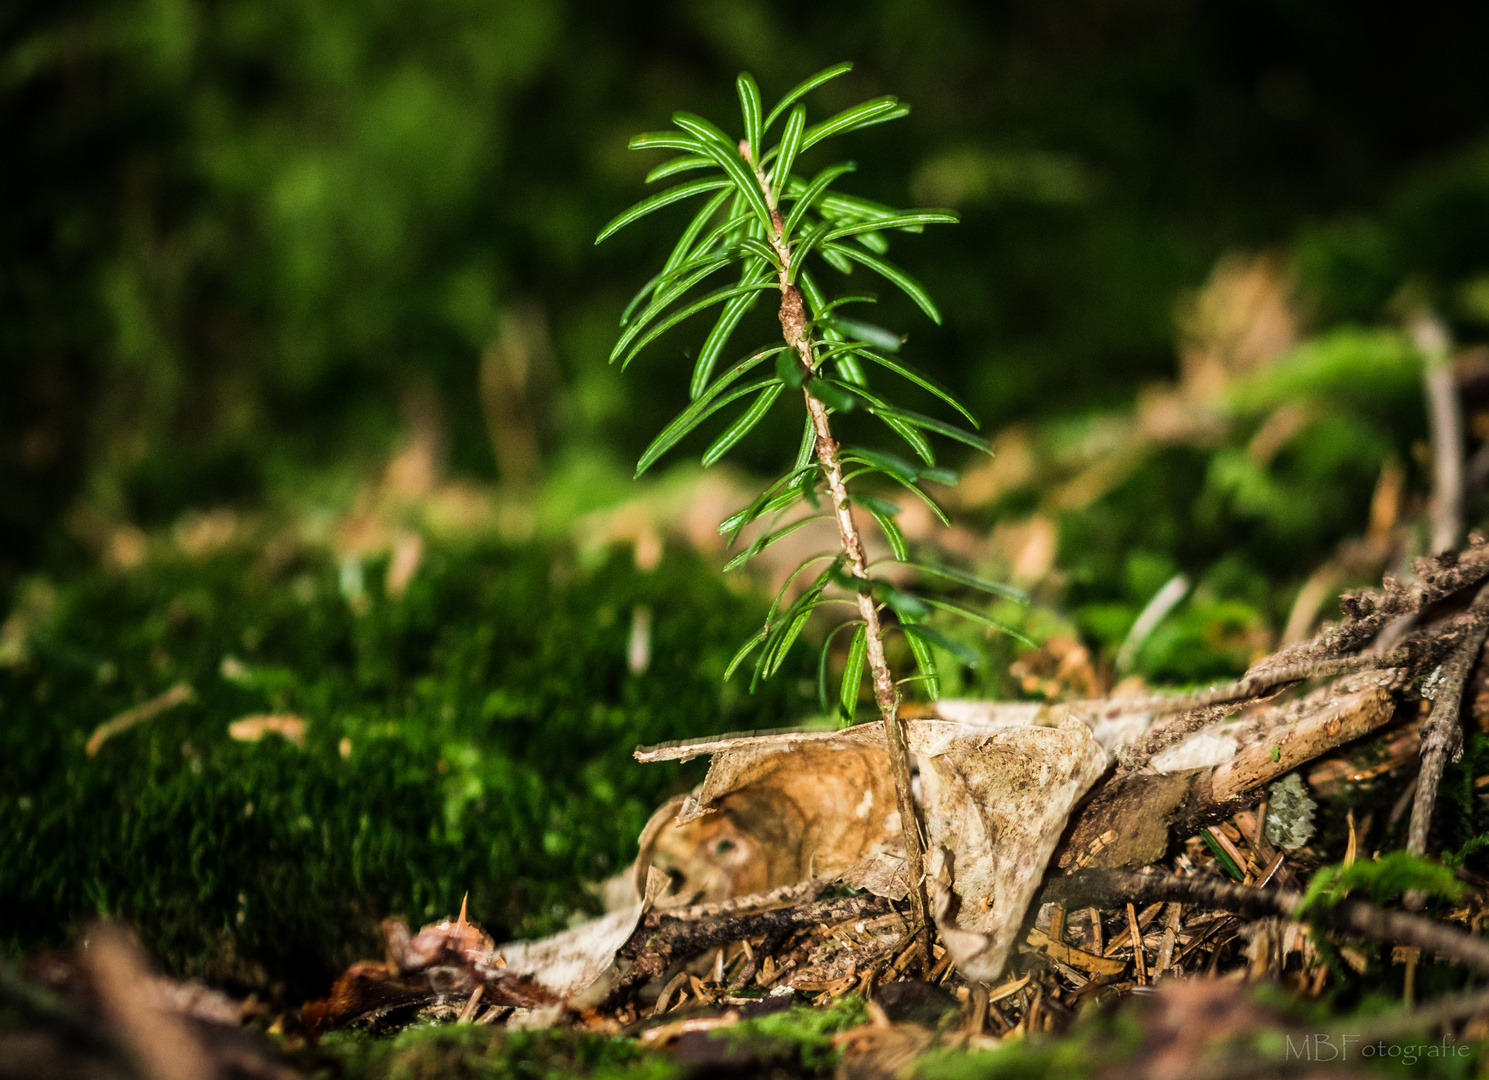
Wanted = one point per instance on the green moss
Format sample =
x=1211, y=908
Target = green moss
x=1462, y=820
x=795, y=1042
x=1381, y=880
x=487, y=718
x=461, y=1052
x=799, y=1038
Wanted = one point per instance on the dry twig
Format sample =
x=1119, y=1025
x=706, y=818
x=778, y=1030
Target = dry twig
x=1442, y=734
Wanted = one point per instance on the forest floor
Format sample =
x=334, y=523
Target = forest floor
x=352, y=789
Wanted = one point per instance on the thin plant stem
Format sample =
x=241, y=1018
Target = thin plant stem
x=886, y=696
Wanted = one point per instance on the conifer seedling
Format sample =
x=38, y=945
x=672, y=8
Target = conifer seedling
x=766, y=228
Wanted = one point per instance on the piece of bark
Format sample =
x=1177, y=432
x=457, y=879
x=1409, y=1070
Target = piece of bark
x=1145, y=810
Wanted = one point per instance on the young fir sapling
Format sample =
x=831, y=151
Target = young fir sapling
x=770, y=225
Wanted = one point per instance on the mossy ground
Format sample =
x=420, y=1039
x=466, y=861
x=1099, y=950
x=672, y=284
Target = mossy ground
x=797, y=1042
x=461, y=1052
x=473, y=734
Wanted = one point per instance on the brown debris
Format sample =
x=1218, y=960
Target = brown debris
x=99, y=1012
x=758, y=853
x=1145, y=809
x=255, y=728
x=664, y=938
x=1184, y=1023
x=444, y=962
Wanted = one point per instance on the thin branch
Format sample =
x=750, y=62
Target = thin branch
x=1367, y=613
x=1442, y=734
x=1445, y=422
x=1270, y=681
x=1333, y=652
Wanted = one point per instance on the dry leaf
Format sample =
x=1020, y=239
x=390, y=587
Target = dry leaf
x=254, y=728
x=580, y=959
x=778, y=809
x=794, y=805
x=995, y=804
x=443, y=960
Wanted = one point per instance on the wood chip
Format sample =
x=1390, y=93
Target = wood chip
x=1007, y=990
x=471, y=1003
x=666, y=1033
x=1076, y=958
x=1139, y=961
x=1170, y=937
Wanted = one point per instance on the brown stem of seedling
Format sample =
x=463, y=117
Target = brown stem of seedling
x=886, y=696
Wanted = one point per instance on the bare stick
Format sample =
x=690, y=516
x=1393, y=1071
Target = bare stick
x=1446, y=424
x=1442, y=734
x=1343, y=719
x=1139, y=961
x=1368, y=613
x=1443, y=576
x=1256, y=686
x=176, y=695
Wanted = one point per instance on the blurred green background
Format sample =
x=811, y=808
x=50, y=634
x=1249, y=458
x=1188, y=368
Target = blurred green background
x=305, y=406
x=236, y=235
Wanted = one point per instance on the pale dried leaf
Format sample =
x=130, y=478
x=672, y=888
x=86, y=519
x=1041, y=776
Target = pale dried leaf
x=995, y=804
x=576, y=960
x=793, y=805
x=778, y=809
x=254, y=728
